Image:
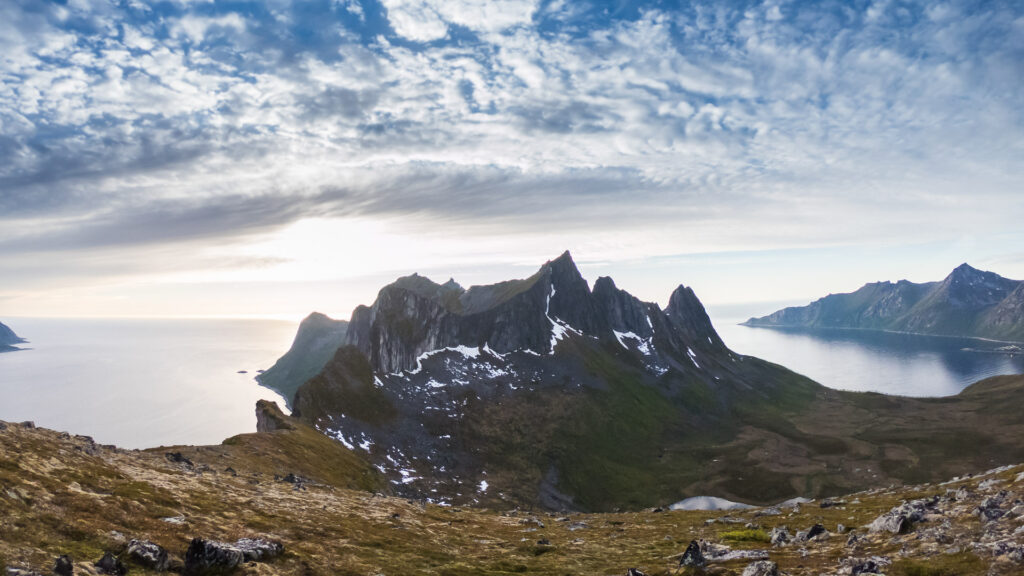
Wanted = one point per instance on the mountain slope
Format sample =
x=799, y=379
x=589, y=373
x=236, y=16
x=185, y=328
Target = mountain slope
x=967, y=303
x=543, y=392
x=315, y=343
x=8, y=338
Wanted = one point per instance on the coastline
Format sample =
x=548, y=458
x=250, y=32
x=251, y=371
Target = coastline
x=883, y=330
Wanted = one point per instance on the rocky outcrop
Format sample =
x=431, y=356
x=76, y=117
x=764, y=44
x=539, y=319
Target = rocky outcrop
x=269, y=417
x=967, y=303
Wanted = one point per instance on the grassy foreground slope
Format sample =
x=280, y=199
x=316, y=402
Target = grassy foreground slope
x=62, y=494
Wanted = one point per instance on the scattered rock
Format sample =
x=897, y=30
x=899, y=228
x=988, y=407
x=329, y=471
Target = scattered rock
x=855, y=566
x=21, y=572
x=771, y=511
x=148, y=554
x=899, y=518
x=543, y=542
x=63, y=566
x=990, y=508
x=761, y=568
x=178, y=458
x=635, y=572
x=109, y=564
x=692, y=556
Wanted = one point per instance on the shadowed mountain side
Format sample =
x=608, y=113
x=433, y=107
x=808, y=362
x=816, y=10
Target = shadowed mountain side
x=315, y=342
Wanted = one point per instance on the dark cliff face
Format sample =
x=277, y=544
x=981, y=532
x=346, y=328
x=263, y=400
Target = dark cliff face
x=968, y=303
x=414, y=316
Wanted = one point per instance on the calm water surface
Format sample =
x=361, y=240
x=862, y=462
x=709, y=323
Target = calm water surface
x=145, y=383
x=873, y=361
x=141, y=383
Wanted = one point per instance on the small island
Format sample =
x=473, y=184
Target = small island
x=8, y=339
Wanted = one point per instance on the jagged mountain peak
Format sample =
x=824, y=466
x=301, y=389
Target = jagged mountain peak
x=414, y=316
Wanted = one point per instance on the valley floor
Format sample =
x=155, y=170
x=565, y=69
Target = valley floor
x=63, y=494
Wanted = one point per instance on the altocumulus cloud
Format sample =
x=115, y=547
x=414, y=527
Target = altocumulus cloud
x=125, y=122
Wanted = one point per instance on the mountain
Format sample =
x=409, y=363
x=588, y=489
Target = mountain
x=967, y=303
x=314, y=507
x=316, y=341
x=8, y=339
x=543, y=392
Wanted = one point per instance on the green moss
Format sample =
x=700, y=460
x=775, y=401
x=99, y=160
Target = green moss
x=749, y=535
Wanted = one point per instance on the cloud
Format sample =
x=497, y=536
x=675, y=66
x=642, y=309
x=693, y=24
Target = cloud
x=128, y=125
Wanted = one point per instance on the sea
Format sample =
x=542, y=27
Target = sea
x=143, y=383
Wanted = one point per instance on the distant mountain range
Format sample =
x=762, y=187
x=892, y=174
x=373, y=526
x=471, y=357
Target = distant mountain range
x=967, y=303
x=8, y=339
x=545, y=392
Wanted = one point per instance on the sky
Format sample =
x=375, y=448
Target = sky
x=267, y=159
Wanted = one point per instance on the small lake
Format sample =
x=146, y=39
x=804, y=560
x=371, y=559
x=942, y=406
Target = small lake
x=141, y=383
x=873, y=361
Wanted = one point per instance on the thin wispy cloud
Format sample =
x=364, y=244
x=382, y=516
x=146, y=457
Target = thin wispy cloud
x=711, y=126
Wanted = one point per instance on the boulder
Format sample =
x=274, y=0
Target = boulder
x=208, y=556
x=692, y=556
x=761, y=568
x=779, y=535
x=109, y=564
x=148, y=554
x=635, y=572
x=63, y=566
x=815, y=532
